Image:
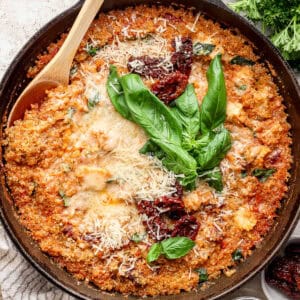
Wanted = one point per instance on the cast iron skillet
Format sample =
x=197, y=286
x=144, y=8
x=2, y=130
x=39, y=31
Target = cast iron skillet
x=15, y=80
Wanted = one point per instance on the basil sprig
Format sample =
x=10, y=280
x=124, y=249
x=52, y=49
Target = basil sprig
x=171, y=248
x=213, y=108
x=203, y=48
x=213, y=178
x=138, y=237
x=93, y=101
x=116, y=93
x=64, y=197
x=91, y=49
x=70, y=112
x=187, y=112
x=203, y=276
x=152, y=149
x=237, y=255
x=215, y=141
x=179, y=161
x=141, y=106
x=149, y=112
x=263, y=174
x=210, y=155
x=187, y=139
x=242, y=61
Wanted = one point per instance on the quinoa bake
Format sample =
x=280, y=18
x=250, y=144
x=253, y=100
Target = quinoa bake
x=162, y=164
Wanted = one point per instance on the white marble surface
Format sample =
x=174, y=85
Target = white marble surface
x=19, y=20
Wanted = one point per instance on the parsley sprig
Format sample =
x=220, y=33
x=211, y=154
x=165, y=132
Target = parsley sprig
x=281, y=18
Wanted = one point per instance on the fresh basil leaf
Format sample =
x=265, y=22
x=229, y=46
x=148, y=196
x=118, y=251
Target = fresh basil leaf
x=202, y=48
x=203, y=276
x=149, y=147
x=237, y=255
x=92, y=49
x=149, y=112
x=242, y=87
x=71, y=111
x=152, y=149
x=66, y=202
x=34, y=187
x=263, y=174
x=210, y=156
x=188, y=182
x=66, y=167
x=154, y=253
x=116, y=93
x=242, y=61
x=64, y=197
x=93, y=101
x=213, y=178
x=187, y=112
x=175, y=159
x=244, y=174
x=138, y=237
x=61, y=193
x=179, y=161
x=213, y=108
x=203, y=141
x=176, y=247
x=73, y=70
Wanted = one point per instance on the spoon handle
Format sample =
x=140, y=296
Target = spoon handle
x=59, y=67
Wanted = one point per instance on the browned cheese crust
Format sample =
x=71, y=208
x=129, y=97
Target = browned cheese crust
x=43, y=159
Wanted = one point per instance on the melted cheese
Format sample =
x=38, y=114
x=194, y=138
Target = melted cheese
x=234, y=109
x=245, y=219
x=109, y=223
x=113, y=143
x=93, y=178
x=256, y=154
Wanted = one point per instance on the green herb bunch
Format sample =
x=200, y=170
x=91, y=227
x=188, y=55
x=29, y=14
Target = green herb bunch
x=280, y=17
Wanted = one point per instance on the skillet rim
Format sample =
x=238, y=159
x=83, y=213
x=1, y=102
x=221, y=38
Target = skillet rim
x=8, y=74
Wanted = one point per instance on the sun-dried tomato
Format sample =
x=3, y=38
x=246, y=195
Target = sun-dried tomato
x=148, y=66
x=182, y=58
x=172, y=205
x=179, y=190
x=68, y=230
x=154, y=222
x=170, y=87
x=284, y=273
x=91, y=239
x=274, y=157
x=159, y=228
x=147, y=208
x=186, y=226
x=171, y=17
x=161, y=213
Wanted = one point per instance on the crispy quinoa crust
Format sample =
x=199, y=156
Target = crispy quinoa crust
x=39, y=147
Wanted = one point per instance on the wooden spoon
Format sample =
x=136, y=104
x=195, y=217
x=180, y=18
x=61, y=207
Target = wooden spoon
x=57, y=71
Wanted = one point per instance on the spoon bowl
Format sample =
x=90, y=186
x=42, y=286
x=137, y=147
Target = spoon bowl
x=32, y=94
x=57, y=71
